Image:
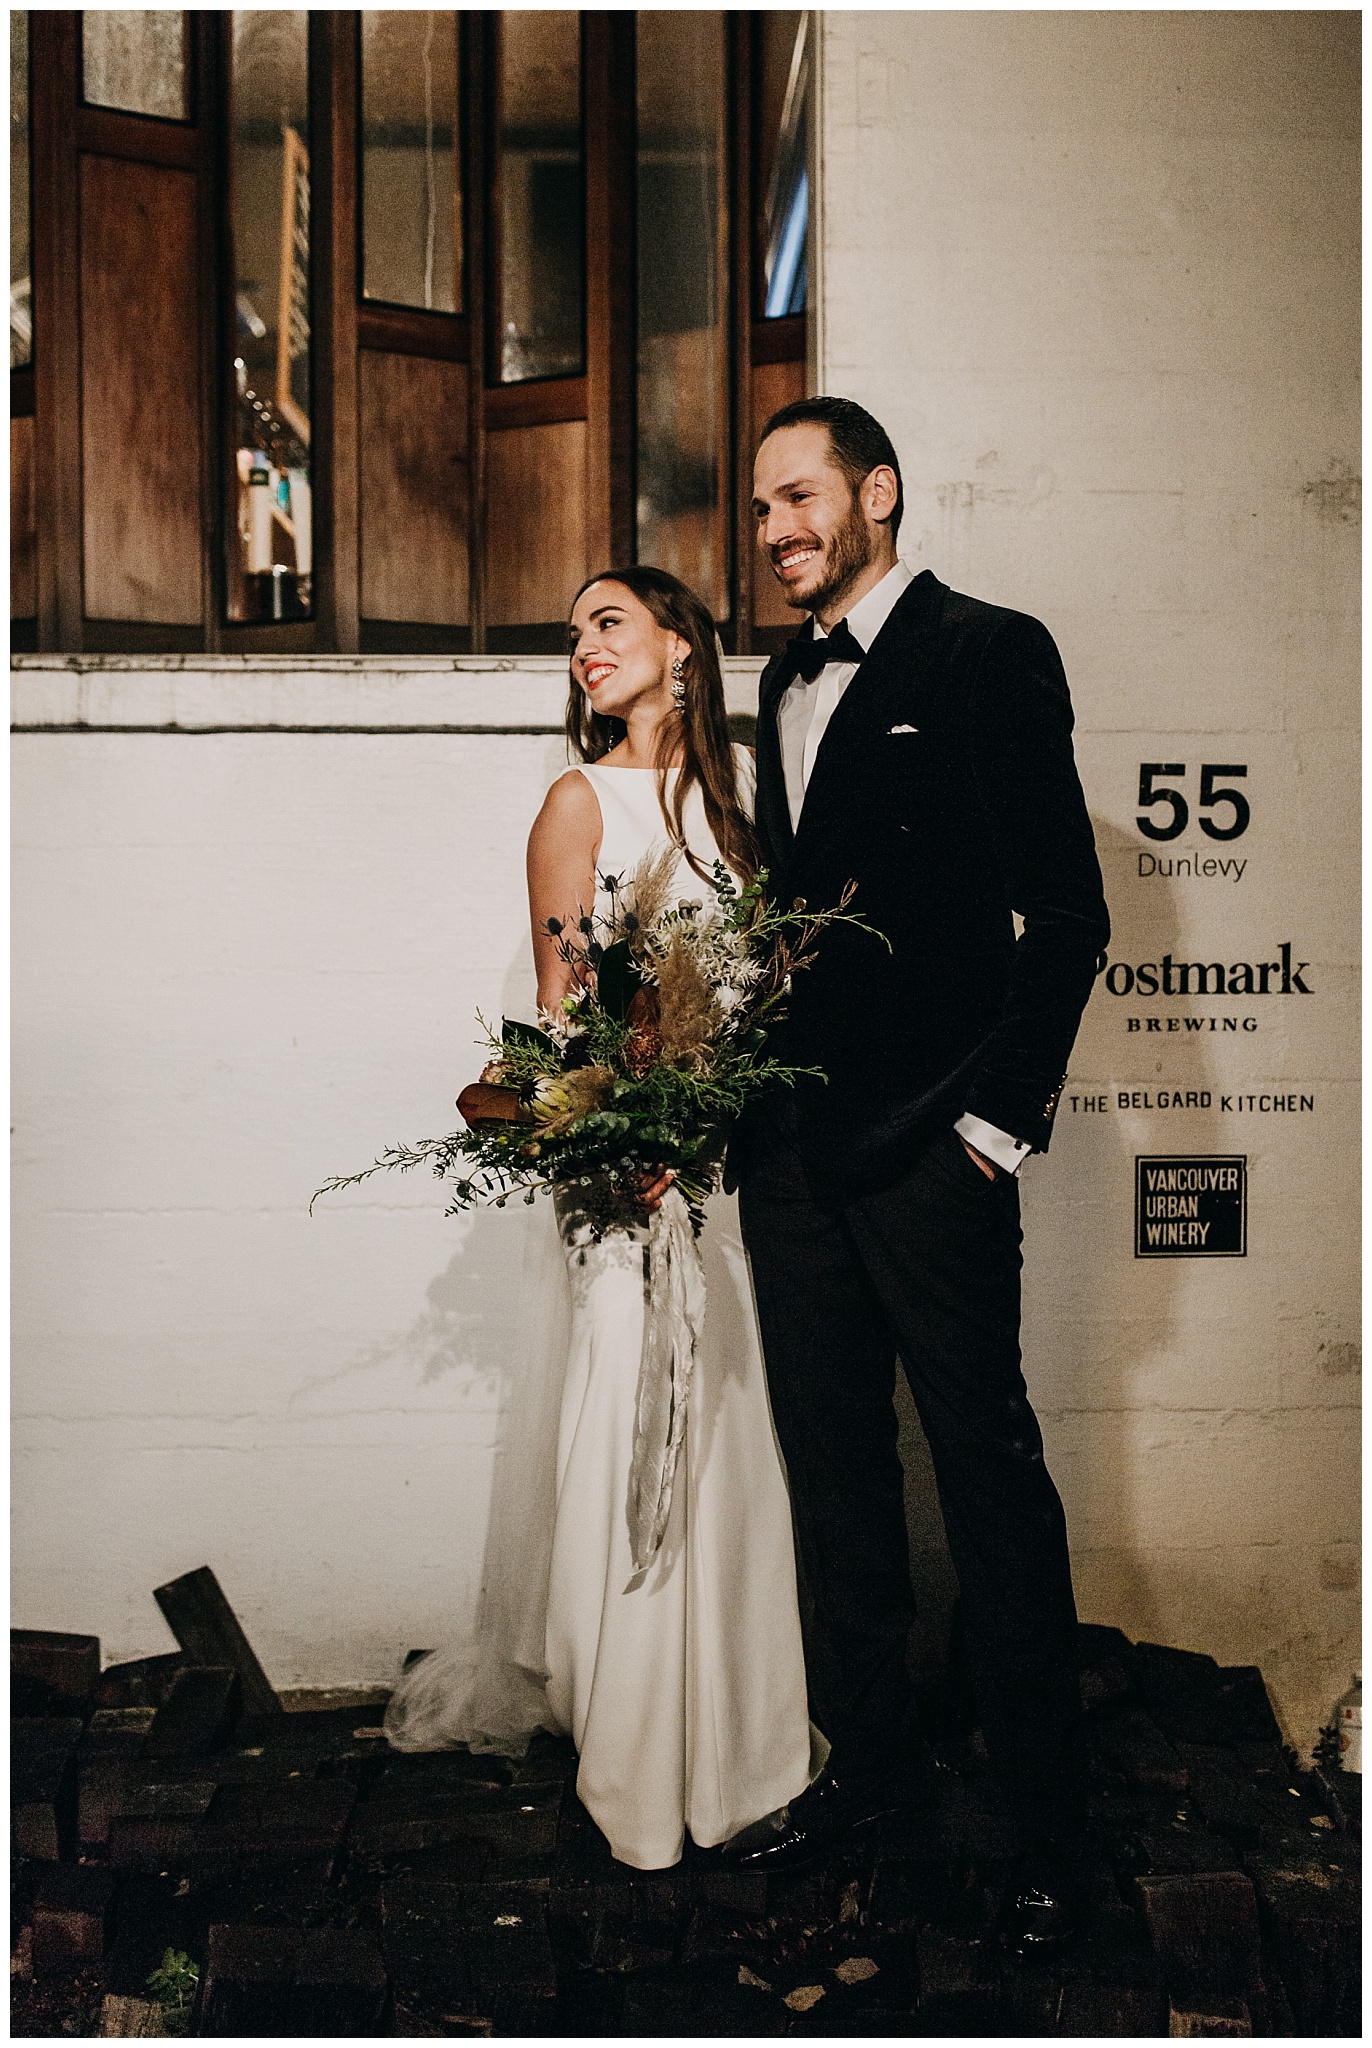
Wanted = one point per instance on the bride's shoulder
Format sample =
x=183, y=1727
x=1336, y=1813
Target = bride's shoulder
x=571, y=803
x=745, y=774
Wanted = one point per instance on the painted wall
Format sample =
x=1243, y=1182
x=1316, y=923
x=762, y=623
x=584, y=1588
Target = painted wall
x=246, y=961
x=1097, y=274
x=246, y=958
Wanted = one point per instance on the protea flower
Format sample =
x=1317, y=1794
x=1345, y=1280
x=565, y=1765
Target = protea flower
x=558, y=1100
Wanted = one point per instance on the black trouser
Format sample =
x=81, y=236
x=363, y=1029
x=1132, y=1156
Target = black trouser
x=928, y=1269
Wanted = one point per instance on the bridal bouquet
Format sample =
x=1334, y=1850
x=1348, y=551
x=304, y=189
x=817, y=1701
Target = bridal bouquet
x=645, y=1066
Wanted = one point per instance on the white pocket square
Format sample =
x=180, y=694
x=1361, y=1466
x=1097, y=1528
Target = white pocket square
x=904, y=728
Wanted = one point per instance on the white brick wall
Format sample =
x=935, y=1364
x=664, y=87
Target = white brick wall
x=1096, y=273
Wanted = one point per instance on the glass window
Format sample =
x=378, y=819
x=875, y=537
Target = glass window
x=21, y=299
x=540, y=271
x=783, y=121
x=411, y=210
x=682, y=300
x=271, y=564
x=138, y=60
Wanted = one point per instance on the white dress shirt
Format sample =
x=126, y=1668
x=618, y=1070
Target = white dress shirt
x=802, y=719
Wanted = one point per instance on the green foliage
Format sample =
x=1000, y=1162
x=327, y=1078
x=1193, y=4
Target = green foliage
x=173, y=1984
x=638, y=1111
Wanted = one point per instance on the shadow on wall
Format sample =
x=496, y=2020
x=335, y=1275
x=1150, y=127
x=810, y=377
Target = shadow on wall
x=1103, y=1328
x=1094, y=1317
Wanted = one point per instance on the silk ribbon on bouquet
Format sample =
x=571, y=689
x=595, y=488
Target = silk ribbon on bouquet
x=673, y=1314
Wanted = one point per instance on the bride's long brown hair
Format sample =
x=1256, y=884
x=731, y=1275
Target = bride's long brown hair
x=700, y=728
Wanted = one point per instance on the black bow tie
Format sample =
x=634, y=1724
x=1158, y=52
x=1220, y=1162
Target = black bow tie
x=809, y=655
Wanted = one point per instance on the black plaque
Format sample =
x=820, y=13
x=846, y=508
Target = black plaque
x=1191, y=1206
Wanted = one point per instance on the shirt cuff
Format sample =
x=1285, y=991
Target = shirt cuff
x=998, y=1146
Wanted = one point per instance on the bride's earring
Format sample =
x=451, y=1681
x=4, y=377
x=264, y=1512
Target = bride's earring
x=678, y=682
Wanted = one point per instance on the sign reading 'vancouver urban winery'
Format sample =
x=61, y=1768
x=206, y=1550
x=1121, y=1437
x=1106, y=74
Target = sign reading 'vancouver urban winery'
x=1190, y=1206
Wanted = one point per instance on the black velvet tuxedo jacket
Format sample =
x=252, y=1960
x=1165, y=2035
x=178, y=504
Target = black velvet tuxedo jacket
x=945, y=787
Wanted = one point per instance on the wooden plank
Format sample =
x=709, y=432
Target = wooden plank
x=334, y=448
x=742, y=30
x=774, y=385
x=780, y=341
x=209, y=1632
x=535, y=405
x=413, y=331
x=404, y=1825
x=1229, y=2019
x=1132, y=1742
x=608, y=72
x=340, y=1983
x=271, y=1981
x=43, y=1786
x=116, y=1731
x=476, y=30
x=137, y=1843
x=107, y=1784
x=64, y=1669
x=55, y=55
x=412, y=432
x=1312, y=1920
x=1204, y=1929
x=138, y=138
x=249, y=1975
x=257, y=1827
x=130, y=2019
x=23, y=540
x=535, y=523
x=71, y=1919
x=140, y=393
x=142, y=1682
x=210, y=34
x=198, y=1714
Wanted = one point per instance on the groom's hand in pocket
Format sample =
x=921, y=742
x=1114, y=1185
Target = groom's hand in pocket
x=977, y=1158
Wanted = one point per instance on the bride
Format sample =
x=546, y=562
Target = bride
x=683, y=1684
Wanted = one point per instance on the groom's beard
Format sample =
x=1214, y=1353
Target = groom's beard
x=852, y=549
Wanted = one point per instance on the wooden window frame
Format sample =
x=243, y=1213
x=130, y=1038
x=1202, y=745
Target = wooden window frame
x=85, y=106
x=62, y=127
x=222, y=633
x=757, y=340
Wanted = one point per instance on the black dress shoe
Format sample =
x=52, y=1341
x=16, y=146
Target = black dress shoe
x=819, y=1817
x=1046, y=1902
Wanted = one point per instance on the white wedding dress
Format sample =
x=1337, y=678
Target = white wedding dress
x=682, y=1686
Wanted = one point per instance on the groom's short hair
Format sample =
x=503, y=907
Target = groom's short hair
x=860, y=443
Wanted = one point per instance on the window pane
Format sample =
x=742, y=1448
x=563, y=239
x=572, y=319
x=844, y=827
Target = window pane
x=411, y=217
x=270, y=566
x=21, y=302
x=785, y=180
x=136, y=59
x=682, y=337
x=541, y=291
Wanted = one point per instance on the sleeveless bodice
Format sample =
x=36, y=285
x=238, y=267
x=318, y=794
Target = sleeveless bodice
x=632, y=822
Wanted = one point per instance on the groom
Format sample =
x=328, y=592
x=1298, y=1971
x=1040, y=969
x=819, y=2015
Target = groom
x=919, y=743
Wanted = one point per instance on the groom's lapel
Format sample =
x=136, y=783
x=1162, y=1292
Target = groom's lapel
x=888, y=685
